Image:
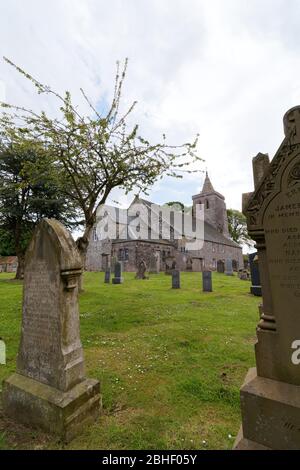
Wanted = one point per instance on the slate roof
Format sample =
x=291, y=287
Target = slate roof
x=212, y=235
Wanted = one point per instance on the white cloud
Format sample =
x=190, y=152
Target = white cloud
x=225, y=69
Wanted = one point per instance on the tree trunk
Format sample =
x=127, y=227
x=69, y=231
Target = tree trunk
x=82, y=245
x=21, y=265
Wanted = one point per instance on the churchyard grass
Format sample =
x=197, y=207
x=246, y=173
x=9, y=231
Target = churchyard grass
x=170, y=362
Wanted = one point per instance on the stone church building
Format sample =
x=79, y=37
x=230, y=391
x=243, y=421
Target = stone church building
x=217, y=246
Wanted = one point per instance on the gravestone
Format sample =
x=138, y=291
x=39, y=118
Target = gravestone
x=270, y=397
x=255, y=288
x=107, y=276
x=175, y=279
x=49, y=389
x=142, y=268
x=154, y=264
x=243, y=275
x=220, y=267
x=207, y=281
x=228, y=267
x=118, y=279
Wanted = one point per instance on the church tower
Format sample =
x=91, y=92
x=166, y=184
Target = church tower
x=214, y=206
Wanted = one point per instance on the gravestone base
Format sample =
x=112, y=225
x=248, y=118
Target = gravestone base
x=270, y=414
x=242, y=443
x=117, y=280
x=38, y=405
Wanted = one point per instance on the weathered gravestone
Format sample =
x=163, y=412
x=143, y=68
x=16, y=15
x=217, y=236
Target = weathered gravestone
x=107, y=276
x=49, y=389
x=175, y=279
x=255, y=288
x=154, y=264
x=243, y=275
x=141, y=272
x=228, y=267
x=118, y=279
x=270, y=396
x=220, y=266
x=207, y=281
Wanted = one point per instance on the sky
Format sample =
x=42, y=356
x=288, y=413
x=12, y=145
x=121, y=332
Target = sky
x=227, y=70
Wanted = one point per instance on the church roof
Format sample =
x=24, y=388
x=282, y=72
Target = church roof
x=207, y=186
x=212, y=235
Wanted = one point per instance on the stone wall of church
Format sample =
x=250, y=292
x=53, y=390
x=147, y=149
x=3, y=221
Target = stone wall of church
x=208, y=257
x=96, y=254
x=214, y=211
x=131, y=251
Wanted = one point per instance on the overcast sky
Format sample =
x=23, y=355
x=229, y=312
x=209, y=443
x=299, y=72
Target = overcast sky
x=228, y=69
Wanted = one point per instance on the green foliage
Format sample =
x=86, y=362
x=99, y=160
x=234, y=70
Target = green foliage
x=7, y=246
x=29, y=191
x=95, y=153
x=179, y=206
x=237, y=225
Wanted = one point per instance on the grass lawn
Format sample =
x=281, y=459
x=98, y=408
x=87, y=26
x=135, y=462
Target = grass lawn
x=170, y=362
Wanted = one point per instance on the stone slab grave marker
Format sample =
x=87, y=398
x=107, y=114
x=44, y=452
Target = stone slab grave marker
x=175, y=279
x=154, y=263
x=118, y=279
x=228, y=267
x=107, y=276
x=207, y=281
x=141, y=272
x=255, y=288
x=220, y=267
x=49, y=389
x=270, y=396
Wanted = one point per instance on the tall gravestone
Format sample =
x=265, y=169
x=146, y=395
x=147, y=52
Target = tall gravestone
x=270, y=396
x=228, y=267
x=175, y=279
x=118, y=279
x=220, y=267
x=207, y=281
x=49, y=389
x=255, y=288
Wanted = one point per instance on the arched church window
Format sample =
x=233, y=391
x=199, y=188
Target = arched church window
x=207, y=204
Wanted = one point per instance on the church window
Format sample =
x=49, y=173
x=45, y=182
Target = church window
x=126, y=254
x=207, y=204
x=95, y=238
